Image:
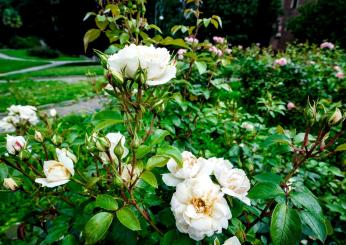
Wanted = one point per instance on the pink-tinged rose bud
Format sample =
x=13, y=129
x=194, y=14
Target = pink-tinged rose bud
x=228, y=51
x=181, y=53
x=290, y=106
x=281, y=62
x=328, y=45
x=219, y=39
x=340, y=75
x=240, y=46
x=191, y=39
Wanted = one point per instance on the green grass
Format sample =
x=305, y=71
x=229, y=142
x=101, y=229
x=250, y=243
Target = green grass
x=59, y=71
x=28, y=92
x=22, y=53
x=13, y=65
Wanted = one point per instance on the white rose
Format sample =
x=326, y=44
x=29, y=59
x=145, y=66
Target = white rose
x=192, y=167
x=234, y=181
x=57, y=172
x=52, y=112
x=157, y=62
x=26, y=113
x=15, y=144
x=247, y=126
x=9, y=183
x=6, y=126
x=199, y=208
x=232, y=241
x=115, y=139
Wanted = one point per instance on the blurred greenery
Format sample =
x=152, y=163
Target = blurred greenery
x=60, y=71
x=13, y=65
x=41, y=93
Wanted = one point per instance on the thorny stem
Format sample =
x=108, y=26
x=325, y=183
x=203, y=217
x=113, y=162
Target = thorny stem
x=298, y=163
x=144, y=214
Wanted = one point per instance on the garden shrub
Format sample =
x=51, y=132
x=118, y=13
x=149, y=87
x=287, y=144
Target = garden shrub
x=216, y=145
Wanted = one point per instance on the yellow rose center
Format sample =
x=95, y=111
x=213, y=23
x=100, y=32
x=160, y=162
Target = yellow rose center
x=201, y=206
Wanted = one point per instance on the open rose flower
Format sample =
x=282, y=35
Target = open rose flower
x=24, y=113
x=117, y=139
x=6, y=126
x=219, y=39
x=340, y=75
x=57, y=172
x=234, y=181
x=15, y=144
x=327, y=45
x=157, y=62
x=281, y=62
x=192, y=167
x=199, y=208
x=191, y=39
x=290, y=106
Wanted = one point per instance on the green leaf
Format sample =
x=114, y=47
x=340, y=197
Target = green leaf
x=306, y=200
x=69, y=240
x=142, y=151
x=158, y=136
x=316, y=224
x=265, y=191
x=168, y=238
x=276, y=138
x=124, y=38
x=201, y=67
x=285, y=226
x=3, y=171
x=90, y=36
x=341, y=147
x=107, y=123
x=150, y=178
x=156, y=162
x=106, y=202
x=171, y=151
x=268, y=178
x=175, y=42
x=128, y=219
x=96, y=228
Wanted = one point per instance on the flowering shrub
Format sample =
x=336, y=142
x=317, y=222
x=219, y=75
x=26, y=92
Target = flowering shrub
x=214, y=149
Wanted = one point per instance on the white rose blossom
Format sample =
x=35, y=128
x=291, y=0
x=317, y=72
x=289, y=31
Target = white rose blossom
x=57, y=172
x=67, y=153
x=6, y=126
x=23, y=113
x=15, y=144
x=234, y=181
x=157, y=62
x=199, y=208
x=115, y=139
x=192, y=167
x=232, y=241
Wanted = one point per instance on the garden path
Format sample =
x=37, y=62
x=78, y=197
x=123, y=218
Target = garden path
x=88, y=106
x=51, y=64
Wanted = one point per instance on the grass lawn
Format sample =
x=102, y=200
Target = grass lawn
x=22, y=53
x=12, y=65
x=28, y=92
x=59, y=71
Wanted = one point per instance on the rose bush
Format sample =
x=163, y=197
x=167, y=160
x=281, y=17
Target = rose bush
x=212, y=154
